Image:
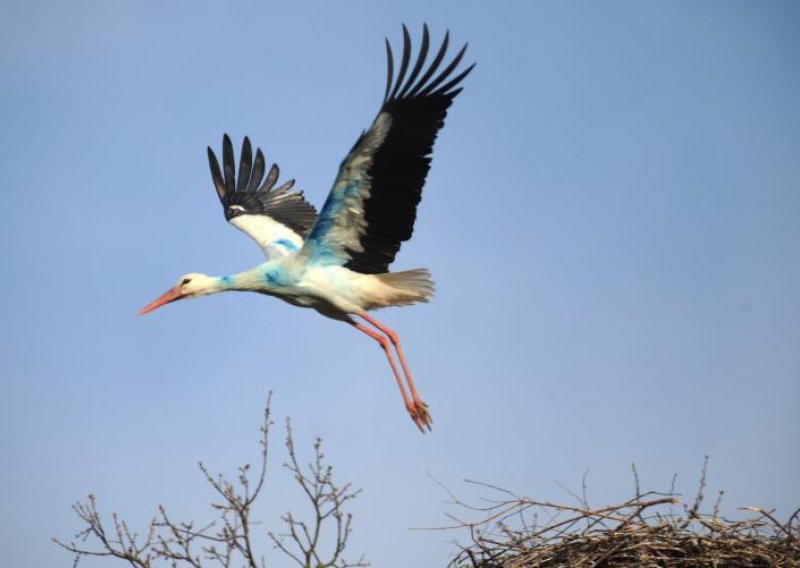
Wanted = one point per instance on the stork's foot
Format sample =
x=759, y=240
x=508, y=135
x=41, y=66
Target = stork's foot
x=420, y=415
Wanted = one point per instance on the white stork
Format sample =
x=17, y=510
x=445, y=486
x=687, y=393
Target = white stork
x=337, y=262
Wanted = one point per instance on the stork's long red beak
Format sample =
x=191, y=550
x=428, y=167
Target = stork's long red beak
x=165, y=298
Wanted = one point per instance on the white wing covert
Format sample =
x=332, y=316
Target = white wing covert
x=277, y=218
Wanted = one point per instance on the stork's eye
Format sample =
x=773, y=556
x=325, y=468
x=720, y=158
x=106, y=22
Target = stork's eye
x=185, y=281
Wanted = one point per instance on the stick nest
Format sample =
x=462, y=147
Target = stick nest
x=653, y=529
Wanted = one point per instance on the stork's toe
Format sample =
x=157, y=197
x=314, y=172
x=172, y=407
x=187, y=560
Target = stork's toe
x=420, y=415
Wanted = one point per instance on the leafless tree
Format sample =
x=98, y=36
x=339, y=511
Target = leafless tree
x=302, y=541
x=229, y=540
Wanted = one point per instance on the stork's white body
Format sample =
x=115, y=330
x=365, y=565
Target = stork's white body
x=334, y=291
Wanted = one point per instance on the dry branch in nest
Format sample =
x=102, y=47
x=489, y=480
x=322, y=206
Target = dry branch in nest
x=650, y=530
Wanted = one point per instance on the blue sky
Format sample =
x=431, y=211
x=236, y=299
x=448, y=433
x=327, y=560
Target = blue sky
x=611, y=220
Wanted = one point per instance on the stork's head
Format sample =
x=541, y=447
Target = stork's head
x=192, y=285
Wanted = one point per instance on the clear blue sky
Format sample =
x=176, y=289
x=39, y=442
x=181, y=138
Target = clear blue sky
x=611, y=219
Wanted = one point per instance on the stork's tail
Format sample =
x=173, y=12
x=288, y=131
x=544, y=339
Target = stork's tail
x=410, y=286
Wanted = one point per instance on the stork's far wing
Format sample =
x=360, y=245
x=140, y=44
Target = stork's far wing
x=373, y=204
x=277, y=219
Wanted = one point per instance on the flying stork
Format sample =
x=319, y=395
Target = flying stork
x=337, y=261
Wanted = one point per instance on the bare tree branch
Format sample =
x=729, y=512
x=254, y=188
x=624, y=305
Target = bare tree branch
x=302, y=542
x=228, y=540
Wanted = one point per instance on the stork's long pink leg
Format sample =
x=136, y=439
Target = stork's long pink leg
x=420, y=411
x=384, y=343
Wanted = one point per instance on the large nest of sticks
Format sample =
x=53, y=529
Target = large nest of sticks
x=654, y=529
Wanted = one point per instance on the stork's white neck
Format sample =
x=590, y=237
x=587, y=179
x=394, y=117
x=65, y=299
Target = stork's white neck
x=261, y=278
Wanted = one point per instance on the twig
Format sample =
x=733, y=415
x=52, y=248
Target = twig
x=228, y=540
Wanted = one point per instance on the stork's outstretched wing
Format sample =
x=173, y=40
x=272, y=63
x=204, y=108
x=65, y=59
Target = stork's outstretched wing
x=373, y=204
x=277, y=218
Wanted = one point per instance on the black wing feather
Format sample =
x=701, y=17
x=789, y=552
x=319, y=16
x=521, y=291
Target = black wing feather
x=228, y=166
x=423, y=53
x=282, y=204
x=245, y=166
x=258, y=171
x=434, y=66
x=404, y=64
x=400, y=164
